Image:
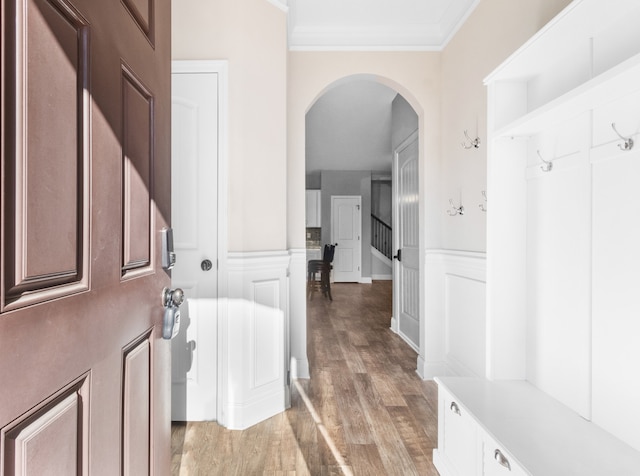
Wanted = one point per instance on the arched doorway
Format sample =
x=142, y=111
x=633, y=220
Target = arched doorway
x=354, y=130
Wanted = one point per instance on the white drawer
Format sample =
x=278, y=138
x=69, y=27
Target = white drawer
x=459, y=443
x=496, y=461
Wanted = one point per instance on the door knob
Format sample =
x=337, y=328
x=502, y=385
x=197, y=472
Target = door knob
x=206, y=265
x=171, y=300
x=172, y=297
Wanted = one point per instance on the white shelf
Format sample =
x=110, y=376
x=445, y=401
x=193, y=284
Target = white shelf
x=613, y=84
x=569, y=32
x=543, y=436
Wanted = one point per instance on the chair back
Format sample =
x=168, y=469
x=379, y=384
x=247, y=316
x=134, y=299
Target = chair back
x=328, y=252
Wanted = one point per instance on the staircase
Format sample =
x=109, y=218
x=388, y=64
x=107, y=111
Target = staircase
x=381, y=237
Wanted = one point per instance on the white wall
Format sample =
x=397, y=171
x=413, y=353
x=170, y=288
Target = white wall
x=482, y=43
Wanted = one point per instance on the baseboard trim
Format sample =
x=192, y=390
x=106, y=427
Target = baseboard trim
x=242, y=416
x=382, y=277
x=365, y=281
x=430, y=370
x=394, y=325
x=299, y=368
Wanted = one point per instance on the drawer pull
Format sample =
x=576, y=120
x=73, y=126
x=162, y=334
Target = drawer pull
x=454, y=408
x=501, y=459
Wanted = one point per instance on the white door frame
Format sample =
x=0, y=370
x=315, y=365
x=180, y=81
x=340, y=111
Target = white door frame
x=414, y=136
x=221, y=68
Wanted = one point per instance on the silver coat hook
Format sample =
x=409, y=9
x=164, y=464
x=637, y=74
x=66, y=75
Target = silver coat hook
x=547, y=165
x=473, y=143
x=483, y=206
x=453, y=211
x=628, y=141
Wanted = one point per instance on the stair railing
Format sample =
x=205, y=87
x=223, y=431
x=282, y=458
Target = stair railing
x=381, y=237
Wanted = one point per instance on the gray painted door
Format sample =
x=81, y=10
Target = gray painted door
x=407, y=271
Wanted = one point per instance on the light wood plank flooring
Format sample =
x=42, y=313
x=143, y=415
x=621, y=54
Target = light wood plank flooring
x=363, y=412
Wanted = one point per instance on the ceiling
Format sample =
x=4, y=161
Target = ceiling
x=349, y=128
x=380, y=25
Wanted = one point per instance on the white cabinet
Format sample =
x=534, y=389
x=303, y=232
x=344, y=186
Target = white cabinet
x=313, y=209
x=562, y=241
x=496, y=461
x=511, y=428
x=457, y=437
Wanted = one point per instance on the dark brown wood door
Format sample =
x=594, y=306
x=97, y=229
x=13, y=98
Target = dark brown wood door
x=84, y=372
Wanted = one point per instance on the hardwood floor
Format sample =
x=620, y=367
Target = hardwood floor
x=364, y=411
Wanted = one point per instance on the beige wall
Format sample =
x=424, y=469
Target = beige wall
x=252, y=36
x=494, y=30
x=268, y=99
x=416, y=75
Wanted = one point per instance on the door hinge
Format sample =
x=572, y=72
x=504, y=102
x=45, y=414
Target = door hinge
x=358, y=268
x=289, y=377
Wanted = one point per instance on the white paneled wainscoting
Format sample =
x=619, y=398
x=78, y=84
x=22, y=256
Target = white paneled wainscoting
x=254, y=338
x=455, y=317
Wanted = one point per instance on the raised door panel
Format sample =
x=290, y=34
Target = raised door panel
x=136, y=424
x=45, y=242
x=52, y=438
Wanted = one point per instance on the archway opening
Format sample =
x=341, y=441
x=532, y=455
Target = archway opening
x=352, y=132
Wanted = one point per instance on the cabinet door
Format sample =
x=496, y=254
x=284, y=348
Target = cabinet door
x=313, y=208
x=496, y=461
x=459, y=438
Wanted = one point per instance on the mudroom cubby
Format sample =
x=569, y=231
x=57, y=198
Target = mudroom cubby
x=563, y=227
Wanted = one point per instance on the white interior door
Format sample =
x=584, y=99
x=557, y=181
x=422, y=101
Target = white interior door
x=195, y=125
x=407, y=263
x=346, y=232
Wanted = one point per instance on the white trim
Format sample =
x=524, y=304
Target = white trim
x=405, y=37
x=430, y=370
x=382, y=277
x=280, y=4
x=298, y=362
x=375, y=253
x=383, y=48
x=256, y=260
x=365, y=280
